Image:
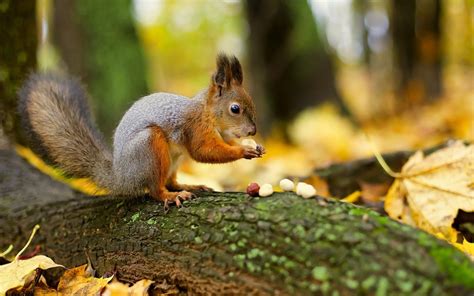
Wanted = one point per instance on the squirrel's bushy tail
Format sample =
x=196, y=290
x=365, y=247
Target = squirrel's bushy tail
x=55, y=112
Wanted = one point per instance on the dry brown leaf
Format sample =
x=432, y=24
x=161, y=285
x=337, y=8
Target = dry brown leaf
x=79, y=280
x=373, y=192
x=17, y=273
x=431, y=190
x=43, y=289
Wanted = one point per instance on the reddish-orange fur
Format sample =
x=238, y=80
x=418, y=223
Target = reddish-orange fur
x=160, y=149
x=173, y=185
x=161, y=169
x=203, y=143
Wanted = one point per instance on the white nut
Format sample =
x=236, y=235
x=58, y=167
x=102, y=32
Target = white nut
x=265, y=190
x=287, y=185
x=299, y=187
x=250, y=143
x=305, y=190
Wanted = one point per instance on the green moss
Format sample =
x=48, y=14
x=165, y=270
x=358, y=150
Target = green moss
x=151, y=221
x=320, y=273
x=253, y=253
x=369, y=282
x=135, y=217
x=382, y=287
x=459, y=271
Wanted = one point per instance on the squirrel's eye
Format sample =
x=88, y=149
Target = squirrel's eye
x=235, y=108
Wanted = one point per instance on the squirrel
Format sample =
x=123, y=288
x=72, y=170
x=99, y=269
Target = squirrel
x=151, y=138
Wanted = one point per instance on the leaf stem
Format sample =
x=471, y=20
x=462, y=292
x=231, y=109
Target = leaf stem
x=8, y=250
x=35, y=229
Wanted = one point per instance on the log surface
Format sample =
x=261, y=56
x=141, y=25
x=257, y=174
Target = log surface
x=227, y=243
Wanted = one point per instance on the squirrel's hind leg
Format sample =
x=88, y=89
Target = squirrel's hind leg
x=173, y=185
x=161, y=170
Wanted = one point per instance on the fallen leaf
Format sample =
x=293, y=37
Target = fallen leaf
x=396, y=204
x=79, y=280
x=116, y=288
x=43, y=289
x=431, y=190
x=141, y=287
x=84, y=185
x=373, y=192
x=16, y=273
x=353, y=197
x=467, y=248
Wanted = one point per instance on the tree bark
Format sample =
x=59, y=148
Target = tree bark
x=228, y=243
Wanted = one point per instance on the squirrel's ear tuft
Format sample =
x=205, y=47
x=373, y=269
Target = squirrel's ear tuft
x=223, y=72
x=236, y=70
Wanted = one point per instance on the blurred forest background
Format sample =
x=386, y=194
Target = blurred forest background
x=323, y=73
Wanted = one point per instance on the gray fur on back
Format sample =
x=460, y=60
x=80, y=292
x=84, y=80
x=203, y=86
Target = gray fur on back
x=132, y=156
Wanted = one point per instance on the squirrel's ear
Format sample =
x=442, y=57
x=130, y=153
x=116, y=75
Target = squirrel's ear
x=236, y=70
x=223, y=72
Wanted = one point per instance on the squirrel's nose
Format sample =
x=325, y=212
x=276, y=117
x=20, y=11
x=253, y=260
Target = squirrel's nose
x=253, y=131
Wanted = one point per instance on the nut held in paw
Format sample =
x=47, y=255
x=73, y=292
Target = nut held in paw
x=250, y=143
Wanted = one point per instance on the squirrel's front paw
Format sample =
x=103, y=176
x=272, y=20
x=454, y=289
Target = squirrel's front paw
x=261, y=149
x=249, y=153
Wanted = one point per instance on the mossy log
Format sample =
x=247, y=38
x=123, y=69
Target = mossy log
x=228, y=243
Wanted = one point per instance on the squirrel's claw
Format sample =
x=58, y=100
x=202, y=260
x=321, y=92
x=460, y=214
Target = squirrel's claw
x=176, y=198
x=250, y=153
x=201, y=188
x=166, y=206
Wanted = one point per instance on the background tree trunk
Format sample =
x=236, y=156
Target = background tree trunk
x=290, y=67
x=416, y=32
x=227, y=243
x=17, y=58
x=105, y=54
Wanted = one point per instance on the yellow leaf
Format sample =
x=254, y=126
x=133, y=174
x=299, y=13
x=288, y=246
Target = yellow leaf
x=16, y=273
x=466, y=247
x=84, y=185
x=79, y=281
x=353, y=197
x=140, y=288
x=431, y=190
x=116, y=288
